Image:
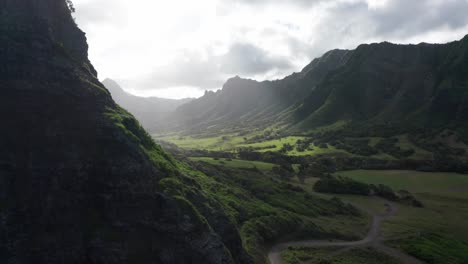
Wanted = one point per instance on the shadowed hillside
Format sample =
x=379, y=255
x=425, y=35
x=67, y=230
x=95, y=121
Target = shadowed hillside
x=82, y=182
x=79, y=176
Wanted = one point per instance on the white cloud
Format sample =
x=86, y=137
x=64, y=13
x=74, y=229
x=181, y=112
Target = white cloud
x=155, y=47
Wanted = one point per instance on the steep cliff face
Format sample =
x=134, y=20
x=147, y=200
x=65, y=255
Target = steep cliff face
x=79, y=177
x=404, y=86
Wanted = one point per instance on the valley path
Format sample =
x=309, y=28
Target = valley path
x=373, y=239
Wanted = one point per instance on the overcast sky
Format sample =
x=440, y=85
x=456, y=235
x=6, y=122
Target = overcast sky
x=179, y=48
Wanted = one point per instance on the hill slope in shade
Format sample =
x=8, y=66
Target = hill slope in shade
x=79, y=178
x=82, y=182
x=403, y=86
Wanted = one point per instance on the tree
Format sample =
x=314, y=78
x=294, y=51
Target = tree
x=70, y=6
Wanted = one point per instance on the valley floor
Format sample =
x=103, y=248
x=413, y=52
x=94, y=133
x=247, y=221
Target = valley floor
x=434, y=234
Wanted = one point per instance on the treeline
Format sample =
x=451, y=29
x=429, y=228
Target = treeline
x=344, y=185
x=319, y=165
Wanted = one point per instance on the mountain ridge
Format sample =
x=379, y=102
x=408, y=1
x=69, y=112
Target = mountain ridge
x=336, y=87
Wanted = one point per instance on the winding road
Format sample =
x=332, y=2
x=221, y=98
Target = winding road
x=373, y=239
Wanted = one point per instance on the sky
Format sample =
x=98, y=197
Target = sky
x=180, y=48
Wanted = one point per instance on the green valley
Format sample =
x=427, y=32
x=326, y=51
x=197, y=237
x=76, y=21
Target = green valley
x=360, y=157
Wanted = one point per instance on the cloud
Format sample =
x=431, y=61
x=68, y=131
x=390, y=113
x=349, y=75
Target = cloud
x=157, y=45
x=247, y=59
x=400, y=18
x=101, y=12
x=209, y=72
x=192, y=71
x=404, y=18
x=302, y=3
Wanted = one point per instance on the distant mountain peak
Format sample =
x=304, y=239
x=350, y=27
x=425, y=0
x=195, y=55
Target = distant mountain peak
x=110, y=81
x=237, y=81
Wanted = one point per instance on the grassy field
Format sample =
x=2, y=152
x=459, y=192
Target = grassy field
x=431, y=233
x=232, y=142
x=239, y=164
x=297, y=255
x=216, y=143
x=260, y=141
x=277, y=143
x=444, y=195
x=445, y=184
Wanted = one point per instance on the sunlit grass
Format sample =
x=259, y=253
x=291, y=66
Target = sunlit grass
x=277, y=143
x=217, y=143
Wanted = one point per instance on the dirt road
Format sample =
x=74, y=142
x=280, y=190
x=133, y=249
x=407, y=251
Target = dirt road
x=372, y=239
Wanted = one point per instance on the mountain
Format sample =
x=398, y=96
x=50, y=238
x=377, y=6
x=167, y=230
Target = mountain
x=80, y=180
x=148, y=110
x=250, y=104
x=375, y=87
x=404, y=86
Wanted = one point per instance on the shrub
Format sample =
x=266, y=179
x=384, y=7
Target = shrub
x=384, y=192
x=343, y=185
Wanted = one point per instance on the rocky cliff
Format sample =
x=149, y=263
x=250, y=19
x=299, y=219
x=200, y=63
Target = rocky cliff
x=79, y=178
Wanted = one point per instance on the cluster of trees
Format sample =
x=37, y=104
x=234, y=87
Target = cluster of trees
x=267, y=135
x=439, y=149
x=341, y=185
x=388, y=145
x=344, y=185
x=285, y=171
x=286, y=148
x=356, y=146
x=303, y=145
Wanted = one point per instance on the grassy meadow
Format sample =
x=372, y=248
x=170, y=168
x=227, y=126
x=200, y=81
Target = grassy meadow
x=229, y=143
x=436, y=233
x=432, y=233
x=298, y=255
x=254, y=140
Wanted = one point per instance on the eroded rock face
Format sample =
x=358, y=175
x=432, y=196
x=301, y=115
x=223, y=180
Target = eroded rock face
x=78, y=175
